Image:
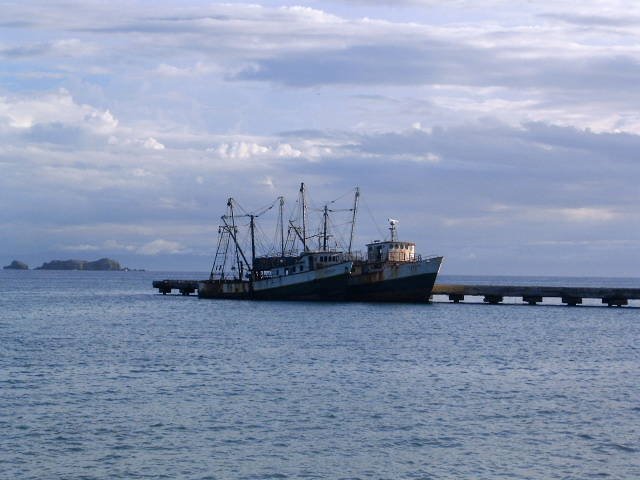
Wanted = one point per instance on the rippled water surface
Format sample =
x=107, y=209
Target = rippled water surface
x=102, y=378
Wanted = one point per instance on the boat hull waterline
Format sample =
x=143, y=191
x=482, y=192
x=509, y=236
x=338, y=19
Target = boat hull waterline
x=399, y=282
x=395, y=282
x=328, y=284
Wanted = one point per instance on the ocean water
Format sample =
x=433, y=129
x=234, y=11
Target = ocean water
x=101, y=377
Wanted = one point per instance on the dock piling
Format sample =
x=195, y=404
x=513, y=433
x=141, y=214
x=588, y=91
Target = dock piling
x=615, y=301
x=493, y=299
x=532, y=299
x=572, y=301
x=456, y=297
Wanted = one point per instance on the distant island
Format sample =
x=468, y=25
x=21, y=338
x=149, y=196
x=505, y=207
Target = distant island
x=104, y=264
x=16, y=265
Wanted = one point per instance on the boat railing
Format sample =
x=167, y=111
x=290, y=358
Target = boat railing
x=355, y=256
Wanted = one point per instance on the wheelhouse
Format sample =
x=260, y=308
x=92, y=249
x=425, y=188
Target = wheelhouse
x=391, y=251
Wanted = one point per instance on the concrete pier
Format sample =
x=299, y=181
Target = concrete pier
x=572, y=296
x=185, y=287
x=491, y=294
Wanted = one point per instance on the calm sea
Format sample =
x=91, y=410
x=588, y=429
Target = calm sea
x=100, y=377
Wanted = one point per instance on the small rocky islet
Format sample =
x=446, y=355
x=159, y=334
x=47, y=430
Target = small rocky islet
x=103, y=264
x=16, y=265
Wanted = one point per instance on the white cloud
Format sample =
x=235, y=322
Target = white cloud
x=546, y=214
x=101, y=122
x=241, y=150
x=286, y=150
x=245, y=150
x=161, y=246
x=107, y=245
x=55, y=108
x=588, y=214
x=152, y=144
x=310, y=14
x=267, y=182
x=79, y=248
x=74, y=47
x=198, y=69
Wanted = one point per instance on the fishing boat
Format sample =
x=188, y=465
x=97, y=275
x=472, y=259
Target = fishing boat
x=310, y=275
x=390, y=271
x=393, y=272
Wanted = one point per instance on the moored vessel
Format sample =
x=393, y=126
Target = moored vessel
x=309, y=275
x=393, y=272
x=390, y=270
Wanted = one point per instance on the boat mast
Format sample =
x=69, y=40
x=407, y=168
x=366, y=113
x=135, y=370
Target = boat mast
x=392, y=229
x=215, y=260
x=252, y=226
x=324, y=229
x=304, y=218
x=233, y=233
x=281, y=221
x=353, y=218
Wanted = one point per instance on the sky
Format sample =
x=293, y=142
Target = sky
x=504, y=135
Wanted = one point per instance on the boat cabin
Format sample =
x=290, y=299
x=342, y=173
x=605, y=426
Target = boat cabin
x=310, y=261
x=392, y=250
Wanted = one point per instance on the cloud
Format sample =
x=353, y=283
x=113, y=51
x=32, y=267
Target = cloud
x=586, y=214
x=68, y=47
x=483, y=127
x=241, y=150
x=595, y=20
x=80, y=248
x=160, y=246
x=54, y=108
x=152, y=144
x=196, y=70
x=245, y=150
x=452, y=63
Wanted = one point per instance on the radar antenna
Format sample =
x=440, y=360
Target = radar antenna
x=394, y=233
